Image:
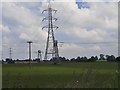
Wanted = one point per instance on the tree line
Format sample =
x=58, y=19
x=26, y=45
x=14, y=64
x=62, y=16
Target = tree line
x=102, y=57
x=109, y=58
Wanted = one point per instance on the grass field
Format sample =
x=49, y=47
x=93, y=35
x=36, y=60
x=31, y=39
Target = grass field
x=0, y=75
x=65, y=75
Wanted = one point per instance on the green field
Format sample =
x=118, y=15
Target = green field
x=0, y=75
x=65, y=75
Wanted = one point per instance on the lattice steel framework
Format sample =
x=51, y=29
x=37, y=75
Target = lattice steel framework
x=51, y=45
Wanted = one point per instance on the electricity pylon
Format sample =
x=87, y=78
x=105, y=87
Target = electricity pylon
x=51, y=45
x=10, y=57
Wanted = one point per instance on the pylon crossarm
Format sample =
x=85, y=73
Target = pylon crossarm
x=54, y=11
x=52, y=27
x=45, y=19
x=44, y=11
x=55, y=27
x=48, y=10
x=55, y=19
x=45, y=27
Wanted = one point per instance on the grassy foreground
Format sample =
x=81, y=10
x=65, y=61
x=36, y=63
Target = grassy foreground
x=0, y=75
x=66, y=75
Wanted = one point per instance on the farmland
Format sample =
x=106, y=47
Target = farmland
x=65, y=75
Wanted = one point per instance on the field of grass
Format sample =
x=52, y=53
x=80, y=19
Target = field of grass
x=0, y=75
x=65, y=75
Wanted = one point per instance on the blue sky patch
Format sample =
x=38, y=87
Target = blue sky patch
x=81, y=4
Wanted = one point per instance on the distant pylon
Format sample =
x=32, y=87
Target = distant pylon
x=10, y=57
x=51, y=47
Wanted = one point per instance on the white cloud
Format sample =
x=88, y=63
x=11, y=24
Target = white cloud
x=19, y=14
x=89, y=22
x=75, y=50
x=24, y=36
x=4, y=28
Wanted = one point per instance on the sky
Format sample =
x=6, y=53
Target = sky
x=81, y=26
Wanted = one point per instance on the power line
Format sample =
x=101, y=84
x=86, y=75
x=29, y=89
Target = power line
x=88, y=42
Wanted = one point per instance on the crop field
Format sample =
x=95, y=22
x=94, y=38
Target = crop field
x=65, y=75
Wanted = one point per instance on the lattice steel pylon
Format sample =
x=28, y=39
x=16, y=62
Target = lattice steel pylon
x=51, y=45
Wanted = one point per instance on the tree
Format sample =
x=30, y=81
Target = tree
x=8, y=60
x=107, y=57
x=92, y=58
x=67, y=59
x=85, y=58
x=96, y=58
x=73, y=59
x=101, y=57
x=111, y=58
x=78, y=59
x=62, y=59
x=118, y=58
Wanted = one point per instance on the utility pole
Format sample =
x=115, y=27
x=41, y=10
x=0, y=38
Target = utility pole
x=29, y=42
x=51, y=42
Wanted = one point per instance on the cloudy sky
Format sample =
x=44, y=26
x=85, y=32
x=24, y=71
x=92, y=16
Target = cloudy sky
x=86, y=28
